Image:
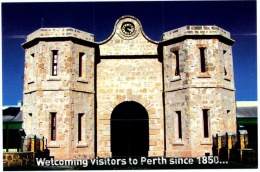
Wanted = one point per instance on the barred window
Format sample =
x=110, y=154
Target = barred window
x=205, y=123
x=177, y=69
x=53, y=126
x=225, y=67
x=81, y=64
x=202, y=59
x=54, y=62
x=179, y=124
x=80, y=126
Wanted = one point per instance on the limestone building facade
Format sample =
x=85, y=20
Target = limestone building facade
x=129, y=95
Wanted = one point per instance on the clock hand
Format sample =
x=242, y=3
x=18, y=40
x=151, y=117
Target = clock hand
x=129, y=29
x=132, y=29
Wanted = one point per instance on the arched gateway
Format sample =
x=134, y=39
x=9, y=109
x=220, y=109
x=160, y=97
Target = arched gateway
x=129, y=130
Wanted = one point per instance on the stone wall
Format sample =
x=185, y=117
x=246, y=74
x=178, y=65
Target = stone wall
x=138, y=80
x=175, y=146
x=18, y=159
x=83, y=103
x=229, y=110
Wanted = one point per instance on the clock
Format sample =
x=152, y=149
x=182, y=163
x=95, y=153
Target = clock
x=128, y=28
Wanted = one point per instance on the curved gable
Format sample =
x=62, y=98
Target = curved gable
x=128, y=38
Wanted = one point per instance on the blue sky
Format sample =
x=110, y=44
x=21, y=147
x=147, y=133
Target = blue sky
x=21, y=19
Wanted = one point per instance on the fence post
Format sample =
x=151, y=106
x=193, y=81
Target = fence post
x=32, y=137
x=41, y=142
x=219, y=142
x=229, y=142
x=242, y=140
x=33, y=144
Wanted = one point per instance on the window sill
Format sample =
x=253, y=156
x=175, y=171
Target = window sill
x=206, y=141
x=53, y=144
x=82, y=145
x=83, y=80
x=227, y=78
x=30, y=82
x=53, y=78
x=176, y=78
x=204, y=75
x=178, y=143
x=29, y=91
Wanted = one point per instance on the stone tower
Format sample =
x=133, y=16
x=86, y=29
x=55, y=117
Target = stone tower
x=198, y=88
x=59, y=90
x=129, y=95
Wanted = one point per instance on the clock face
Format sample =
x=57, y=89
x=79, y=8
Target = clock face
x=128, y=28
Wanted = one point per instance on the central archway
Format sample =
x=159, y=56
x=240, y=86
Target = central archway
x=129, y=130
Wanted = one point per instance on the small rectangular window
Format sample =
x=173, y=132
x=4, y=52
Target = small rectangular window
x=31, y=68
x=225, y=70
x=30, y=121
x=80, y=64
x=179, y=124
x=177, y=69
x=32, y=60
x=229, y=116
x=53, y=126
x=54, y=62
x=205, y=123
x=32, y=64
x=80, y=120
x=202, y=60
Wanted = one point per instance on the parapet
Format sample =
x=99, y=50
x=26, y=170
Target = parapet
x=197, y=31
x=45, y=33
